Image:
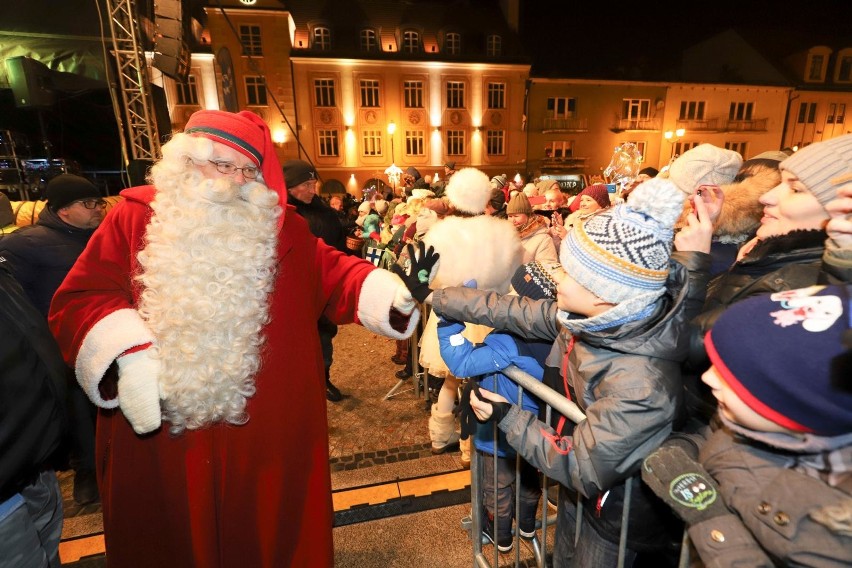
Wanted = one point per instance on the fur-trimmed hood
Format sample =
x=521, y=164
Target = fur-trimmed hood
x=482, y=248
x=741, y=211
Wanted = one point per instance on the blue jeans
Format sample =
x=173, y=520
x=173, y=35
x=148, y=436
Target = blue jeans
x=31, y=525
x=591, y=550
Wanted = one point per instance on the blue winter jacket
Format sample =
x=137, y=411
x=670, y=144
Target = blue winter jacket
x=498, y=351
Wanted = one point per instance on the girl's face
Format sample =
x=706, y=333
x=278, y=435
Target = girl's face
x=789, y=207
x=733, y=407
x=519, y=220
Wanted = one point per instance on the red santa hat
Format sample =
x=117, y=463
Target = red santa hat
x=246, y=133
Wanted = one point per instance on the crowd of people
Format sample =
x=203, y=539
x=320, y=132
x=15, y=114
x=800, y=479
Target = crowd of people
x=698, y=318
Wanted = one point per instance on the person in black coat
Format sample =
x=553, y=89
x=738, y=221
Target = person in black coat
x=33, y=377
x=324, y=223
x=40, y=256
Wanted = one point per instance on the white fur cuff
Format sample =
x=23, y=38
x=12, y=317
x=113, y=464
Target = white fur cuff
x=376, y=300
x=106, y=340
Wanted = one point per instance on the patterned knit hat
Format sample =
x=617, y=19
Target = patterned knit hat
x=705, y=164
x=246, y=133
x=823, y=166
x=519, y=204
x=622, y=253
x=533, y=280
x=778, y=351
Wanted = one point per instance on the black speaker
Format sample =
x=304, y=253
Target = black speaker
x=171, y=50
x=161, y=113
x=137, y=170
x=30, y=81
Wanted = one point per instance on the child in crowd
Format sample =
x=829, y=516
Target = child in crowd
x=618, y=321
x=484, y=363
x=783, y=456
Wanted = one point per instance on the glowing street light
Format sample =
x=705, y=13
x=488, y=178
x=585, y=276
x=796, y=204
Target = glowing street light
x=673, y=136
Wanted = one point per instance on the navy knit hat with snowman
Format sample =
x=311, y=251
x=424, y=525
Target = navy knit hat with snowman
x=778, y=352
x=622, y=253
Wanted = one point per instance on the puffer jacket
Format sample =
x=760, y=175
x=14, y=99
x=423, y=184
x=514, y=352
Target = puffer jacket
x=41, y=255
x=784, y=506
x=626, y=380
x=484, y=362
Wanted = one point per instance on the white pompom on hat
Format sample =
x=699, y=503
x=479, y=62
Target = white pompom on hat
x=705, y=164
x=469, y=191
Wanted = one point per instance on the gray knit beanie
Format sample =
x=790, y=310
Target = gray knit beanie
x=822, y=166
x=704, y=165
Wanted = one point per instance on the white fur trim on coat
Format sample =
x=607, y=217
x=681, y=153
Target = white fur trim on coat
x=107, y=339
x=375, y=301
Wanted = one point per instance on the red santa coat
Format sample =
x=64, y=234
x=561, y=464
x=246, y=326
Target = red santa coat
x=254, y=495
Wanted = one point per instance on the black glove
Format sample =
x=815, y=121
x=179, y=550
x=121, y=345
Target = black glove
x=417, y=279
x=467, y=418
x=683, y=484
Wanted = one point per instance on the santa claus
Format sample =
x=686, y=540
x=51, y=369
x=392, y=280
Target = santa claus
x=204, y=288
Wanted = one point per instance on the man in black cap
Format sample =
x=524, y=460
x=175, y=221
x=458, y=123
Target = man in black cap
x=40, y=256
x=301, y=180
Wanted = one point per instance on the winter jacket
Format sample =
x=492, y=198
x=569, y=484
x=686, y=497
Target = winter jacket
x=537, y=243
x=498, y=351
x=630, y=371
x=32, y=389
x=323, y=222
x=782, y=505
x=41, y=255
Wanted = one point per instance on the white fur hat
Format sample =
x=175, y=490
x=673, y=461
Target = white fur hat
x=421, y=193
x=464, y=242
x=705, y=164
x=469, y=190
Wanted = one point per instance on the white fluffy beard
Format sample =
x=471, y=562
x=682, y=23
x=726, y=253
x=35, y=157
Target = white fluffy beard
x=207, y=271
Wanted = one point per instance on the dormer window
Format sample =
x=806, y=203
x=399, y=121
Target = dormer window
x=815, y=68
x=494, y=46
x=452, y=43
x=368, y=40
x=844, y=68
x=322, y=38
x=410, y=42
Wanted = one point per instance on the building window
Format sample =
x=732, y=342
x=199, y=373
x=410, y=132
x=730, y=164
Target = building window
x=415, y=143
x=322, y=38
x=844, y=74
x=187, y=93
x=324, y=93
x=455, y=142
x=255, y=91
x=496, y=95
x=741, y=111
x=455, y=94
x=561, y=107
x=371, y=142
x=836, y=113
x=368, y=40
x=452, y=43
x=636, y=109
x=815, y=70
x=250, y=40
x=412, y=94
x=681, y=147
x=640, y=146
x=494, y=46
x=807, y=113
x=328, y=145
x=691, y=110
x=559, y=149
x=369, y=93
x=739, y=147
x=410, y=42
x=495, y=142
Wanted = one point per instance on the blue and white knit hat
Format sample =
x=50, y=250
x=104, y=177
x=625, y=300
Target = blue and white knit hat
x=623, y=252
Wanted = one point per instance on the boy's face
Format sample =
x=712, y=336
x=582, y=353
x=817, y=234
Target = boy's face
x=574, y=298
x=733, y=407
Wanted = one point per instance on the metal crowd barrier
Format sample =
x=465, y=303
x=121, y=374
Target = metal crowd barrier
x=473, y=524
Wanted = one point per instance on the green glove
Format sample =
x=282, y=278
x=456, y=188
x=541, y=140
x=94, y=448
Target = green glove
x=417, y=278
x=683, y=484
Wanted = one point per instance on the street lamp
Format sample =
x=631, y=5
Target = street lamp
x=393, y=172
x=391, y=130
x=673, y=136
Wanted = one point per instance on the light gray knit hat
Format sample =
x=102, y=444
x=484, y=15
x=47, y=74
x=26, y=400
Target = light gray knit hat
x=822, y=166
x=705, y=164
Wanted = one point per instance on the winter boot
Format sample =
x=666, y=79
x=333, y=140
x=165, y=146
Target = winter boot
x=442, y=431
x=464, y=446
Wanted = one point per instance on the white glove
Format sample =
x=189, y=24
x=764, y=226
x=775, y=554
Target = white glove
x=139, y=390
x=402, y=300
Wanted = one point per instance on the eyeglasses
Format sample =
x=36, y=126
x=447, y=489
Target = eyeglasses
x=92, y=203
x=249, y=172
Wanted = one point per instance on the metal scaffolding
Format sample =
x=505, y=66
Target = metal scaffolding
x=140, y=126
